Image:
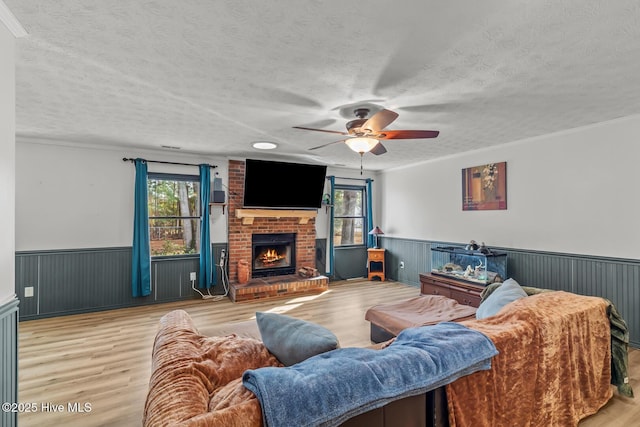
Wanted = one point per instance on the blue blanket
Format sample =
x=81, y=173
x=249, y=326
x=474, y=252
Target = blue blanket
x=328, y=389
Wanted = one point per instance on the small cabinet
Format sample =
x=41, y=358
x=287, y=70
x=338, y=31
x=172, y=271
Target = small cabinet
x=375, y=264
x=463, y=292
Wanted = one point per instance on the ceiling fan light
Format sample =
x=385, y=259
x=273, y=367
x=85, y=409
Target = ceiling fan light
x=361, y=144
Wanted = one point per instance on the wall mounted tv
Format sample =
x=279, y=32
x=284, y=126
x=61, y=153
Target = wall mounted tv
x=281, y=185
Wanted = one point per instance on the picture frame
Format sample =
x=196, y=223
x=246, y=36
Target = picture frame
x=484, y=187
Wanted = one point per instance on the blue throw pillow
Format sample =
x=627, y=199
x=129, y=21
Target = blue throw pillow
x=293, y=340
x=508, y=292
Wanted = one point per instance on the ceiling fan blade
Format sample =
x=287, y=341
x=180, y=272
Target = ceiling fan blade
x=321, y=130
x=380, y=120
x=408, y=134
x=378, y=149
x=324, y=145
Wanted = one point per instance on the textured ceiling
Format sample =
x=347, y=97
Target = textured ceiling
x=211, y=77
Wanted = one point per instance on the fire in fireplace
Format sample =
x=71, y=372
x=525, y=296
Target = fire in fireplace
x=274, y=254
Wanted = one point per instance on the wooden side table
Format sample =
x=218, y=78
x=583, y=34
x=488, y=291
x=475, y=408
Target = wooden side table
x=375, y=264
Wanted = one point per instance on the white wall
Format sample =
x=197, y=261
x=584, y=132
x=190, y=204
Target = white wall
x=574, y=192
x=70, y=197
x=7, y=164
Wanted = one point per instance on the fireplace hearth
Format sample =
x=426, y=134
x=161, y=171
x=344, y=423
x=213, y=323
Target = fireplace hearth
x=273, y=254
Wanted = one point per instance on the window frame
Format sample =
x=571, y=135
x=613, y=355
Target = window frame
x=174, y=177
x=363, y=190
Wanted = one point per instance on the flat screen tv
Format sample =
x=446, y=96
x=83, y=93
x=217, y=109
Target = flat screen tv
x=281, y=185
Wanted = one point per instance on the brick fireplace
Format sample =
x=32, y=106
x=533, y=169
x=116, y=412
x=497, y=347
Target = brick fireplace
x=242, y=231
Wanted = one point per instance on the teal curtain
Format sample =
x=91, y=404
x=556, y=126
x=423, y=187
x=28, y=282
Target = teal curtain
x=370, y=237
x=207, y=270
x=331, y=251
x=141, y=256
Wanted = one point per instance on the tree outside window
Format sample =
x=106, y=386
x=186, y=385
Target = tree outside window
x=349, y=216
x=174, y=214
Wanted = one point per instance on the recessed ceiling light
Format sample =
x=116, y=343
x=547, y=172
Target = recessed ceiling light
x=264, y=145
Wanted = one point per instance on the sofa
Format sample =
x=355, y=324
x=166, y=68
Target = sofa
x=235, y=380
x=551, y=366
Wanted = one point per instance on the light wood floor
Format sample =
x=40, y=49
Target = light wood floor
x=104, y=359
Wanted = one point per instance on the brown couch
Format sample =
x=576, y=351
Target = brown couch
x=196, y=380
x=553, y=369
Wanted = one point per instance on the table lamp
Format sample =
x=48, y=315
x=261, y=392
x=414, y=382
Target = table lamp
x=376, y=232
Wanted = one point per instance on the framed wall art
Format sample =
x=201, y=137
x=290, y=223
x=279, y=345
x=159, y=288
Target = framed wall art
x=484, y=187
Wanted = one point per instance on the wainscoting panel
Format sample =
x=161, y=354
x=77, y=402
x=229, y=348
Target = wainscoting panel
x=541, y=270
x=216, y=249
x=27, y=272
x=321, y=256
x=77, y=281
x=86, y=280
x=171, y=278
x=9, y=360
x=618, y=280
x=350, y=262
x=416, y=255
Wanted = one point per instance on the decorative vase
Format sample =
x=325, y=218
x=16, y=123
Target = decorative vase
x=243, y=272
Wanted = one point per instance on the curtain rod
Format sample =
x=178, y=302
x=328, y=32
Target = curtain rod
x=355, y=179
x=124, y=159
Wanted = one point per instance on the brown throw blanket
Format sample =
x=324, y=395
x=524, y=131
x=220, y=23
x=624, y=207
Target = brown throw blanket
x=196, y=380
x=419, y=311
x=619, y=340
x=554, y=366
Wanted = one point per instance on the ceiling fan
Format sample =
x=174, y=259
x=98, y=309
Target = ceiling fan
x=363, y=134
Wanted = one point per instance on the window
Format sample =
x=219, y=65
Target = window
x=174, y=214
x=349, y=216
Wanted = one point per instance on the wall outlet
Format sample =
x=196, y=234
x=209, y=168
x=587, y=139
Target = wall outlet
x=28, y=291
x=192, y=275
x=401, y=264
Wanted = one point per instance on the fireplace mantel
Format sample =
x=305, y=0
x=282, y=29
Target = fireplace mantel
x=248, y=215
